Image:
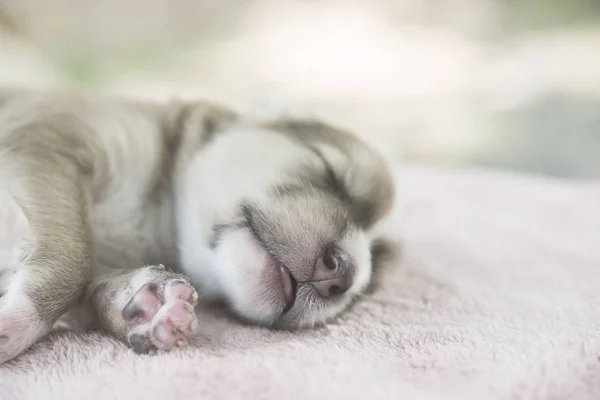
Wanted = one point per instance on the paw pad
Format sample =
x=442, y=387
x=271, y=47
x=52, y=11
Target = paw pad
x=162, y=322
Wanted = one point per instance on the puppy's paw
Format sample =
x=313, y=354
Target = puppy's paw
x=20, y=327
x=162, y=315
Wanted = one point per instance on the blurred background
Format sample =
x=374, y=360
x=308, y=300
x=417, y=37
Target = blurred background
x=510, y=84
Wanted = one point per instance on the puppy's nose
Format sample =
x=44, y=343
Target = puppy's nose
x=332, y=274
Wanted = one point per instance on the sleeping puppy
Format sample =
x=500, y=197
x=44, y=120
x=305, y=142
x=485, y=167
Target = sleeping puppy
x=116, y=214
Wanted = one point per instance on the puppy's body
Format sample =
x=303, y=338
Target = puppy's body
x=270, y=217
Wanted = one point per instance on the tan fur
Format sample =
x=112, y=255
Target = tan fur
x=108, y=185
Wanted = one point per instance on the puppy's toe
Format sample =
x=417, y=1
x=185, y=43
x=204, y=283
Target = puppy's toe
x=181, y=290
x=140, y=342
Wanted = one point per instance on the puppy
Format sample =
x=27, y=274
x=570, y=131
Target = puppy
x=116, y=212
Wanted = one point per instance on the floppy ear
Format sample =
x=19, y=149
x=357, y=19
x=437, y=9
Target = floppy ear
x=197, y=121
x=361, y=173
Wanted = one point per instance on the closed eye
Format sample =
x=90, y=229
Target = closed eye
x=219, y=229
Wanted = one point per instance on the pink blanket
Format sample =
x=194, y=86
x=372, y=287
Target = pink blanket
x=497, y=296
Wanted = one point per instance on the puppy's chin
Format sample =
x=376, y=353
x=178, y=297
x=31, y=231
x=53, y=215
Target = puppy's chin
x=309, y=310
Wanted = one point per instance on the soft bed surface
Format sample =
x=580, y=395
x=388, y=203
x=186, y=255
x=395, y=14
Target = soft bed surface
x=497, y=295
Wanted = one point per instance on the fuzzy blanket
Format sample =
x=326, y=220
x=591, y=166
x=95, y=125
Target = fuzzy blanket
x=497, y=295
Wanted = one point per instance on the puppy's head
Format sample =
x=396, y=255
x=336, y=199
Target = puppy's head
x=273, y=219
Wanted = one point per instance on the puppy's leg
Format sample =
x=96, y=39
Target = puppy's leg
x=52, y=257
x=149, y=308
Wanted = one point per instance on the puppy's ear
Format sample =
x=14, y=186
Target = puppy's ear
x=360, y=172
x=197, y=122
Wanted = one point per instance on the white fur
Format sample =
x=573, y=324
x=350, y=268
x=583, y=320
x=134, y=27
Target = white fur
x=197, y=212
x=18, y=319
x=125, y=150
x=12, y=236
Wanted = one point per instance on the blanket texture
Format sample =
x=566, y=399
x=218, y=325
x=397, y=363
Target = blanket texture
x=497, y=295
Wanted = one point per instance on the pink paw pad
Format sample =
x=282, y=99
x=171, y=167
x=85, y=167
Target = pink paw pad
x=171, y=331
x=143, y=305
x=180, y=290
x=162, y=323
